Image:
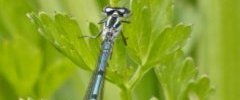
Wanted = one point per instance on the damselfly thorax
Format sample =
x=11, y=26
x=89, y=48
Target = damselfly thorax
x=112, y=26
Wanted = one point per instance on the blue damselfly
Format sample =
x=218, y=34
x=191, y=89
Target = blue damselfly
x=112, y=26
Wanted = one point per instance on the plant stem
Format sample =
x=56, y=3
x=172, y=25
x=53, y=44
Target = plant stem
x=126, y=93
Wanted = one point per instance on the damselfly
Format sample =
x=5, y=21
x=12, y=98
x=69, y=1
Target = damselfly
x=112, y=26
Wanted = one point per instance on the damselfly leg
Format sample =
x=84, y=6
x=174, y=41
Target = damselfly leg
x=92, y=37
x=102, y=21
x=124, y=38
x=126, y=21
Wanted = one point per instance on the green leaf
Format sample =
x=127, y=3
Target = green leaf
x=63, y=32
x=53, y=77
x=139, y=31
x=180, y=80
x=114, y=2
x=95, y=44
x=162, y=15
x=23, y=53
x=199, y=88
x=102, y=3
x=171, y=39
x=20, y=64
x=7, y=92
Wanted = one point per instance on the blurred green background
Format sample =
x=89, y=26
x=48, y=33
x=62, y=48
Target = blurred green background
x=31, y=67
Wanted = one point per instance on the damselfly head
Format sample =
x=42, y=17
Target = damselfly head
x=116, y=11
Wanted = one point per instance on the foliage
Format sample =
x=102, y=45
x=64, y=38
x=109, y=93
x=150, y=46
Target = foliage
x=149, y=42
x=221, y=49
x=180, y=79
x=29, y=66
x=34, y=69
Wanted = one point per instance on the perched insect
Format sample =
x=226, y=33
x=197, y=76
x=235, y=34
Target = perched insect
x=112, y=26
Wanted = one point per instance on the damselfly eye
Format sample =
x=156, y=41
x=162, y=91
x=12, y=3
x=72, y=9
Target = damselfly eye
x=123, y=12
x=108, y=11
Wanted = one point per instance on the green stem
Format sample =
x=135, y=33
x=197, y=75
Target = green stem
x=135, y=78
x=128, y=88
x=126, y=93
